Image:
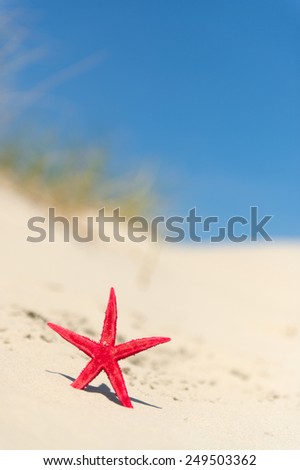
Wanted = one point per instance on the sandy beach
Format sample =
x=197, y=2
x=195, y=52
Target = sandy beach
x=230, y=377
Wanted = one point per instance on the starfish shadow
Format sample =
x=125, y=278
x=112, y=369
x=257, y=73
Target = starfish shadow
x=103, y=389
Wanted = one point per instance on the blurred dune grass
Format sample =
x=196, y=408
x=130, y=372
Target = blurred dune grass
x=74, y=180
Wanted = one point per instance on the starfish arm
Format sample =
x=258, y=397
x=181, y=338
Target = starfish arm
x=115, y=376
x=81, y=342
x=108, y=335
x=87, y=374
x=137, y=345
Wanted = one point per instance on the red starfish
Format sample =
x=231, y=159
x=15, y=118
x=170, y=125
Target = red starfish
x=105, y=354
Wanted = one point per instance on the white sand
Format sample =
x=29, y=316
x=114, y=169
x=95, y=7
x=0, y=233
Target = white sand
x=230, y=378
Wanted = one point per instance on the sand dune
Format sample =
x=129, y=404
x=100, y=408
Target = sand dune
x=230, y=377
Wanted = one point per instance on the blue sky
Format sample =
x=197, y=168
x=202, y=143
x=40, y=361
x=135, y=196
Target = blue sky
x=203, y=92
